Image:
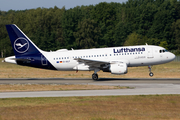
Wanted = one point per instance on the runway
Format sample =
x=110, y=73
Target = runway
x=141, y=86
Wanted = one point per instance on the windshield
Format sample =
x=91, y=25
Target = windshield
x=162, y=51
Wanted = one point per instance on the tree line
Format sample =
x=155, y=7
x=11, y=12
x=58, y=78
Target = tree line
x=135, y=22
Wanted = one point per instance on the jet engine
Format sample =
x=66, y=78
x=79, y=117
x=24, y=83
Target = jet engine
x=118, y=68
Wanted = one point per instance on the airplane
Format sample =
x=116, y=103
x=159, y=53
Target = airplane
x=115, y=60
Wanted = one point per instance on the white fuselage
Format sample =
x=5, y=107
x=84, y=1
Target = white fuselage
x=66, y=59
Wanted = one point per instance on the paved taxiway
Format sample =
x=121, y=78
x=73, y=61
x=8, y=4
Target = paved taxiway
x=140, y=86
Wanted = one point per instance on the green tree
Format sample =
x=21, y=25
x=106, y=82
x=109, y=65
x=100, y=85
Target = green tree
x=107, y=24
x=87, y=35
x=164, y=44
x=70, y=19
x=153, y=41
x=176, y=33
x=105, y=15
x=122, y=30
x=134, y=39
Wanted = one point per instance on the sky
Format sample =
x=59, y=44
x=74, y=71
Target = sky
x=6, y=5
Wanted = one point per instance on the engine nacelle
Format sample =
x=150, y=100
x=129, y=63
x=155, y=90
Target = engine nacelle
x=118, y=68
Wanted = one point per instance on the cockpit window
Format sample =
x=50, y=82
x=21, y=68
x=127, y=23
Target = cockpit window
x=162, y=51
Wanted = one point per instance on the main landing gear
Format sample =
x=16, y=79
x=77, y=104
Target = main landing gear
x=95, y=75
x=150, y=74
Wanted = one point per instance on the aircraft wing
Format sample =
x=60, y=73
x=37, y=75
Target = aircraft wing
x=92, y=63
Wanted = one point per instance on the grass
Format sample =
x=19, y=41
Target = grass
x=87, y=108
x=92, y=108
x=169, y=70
x=54, y=87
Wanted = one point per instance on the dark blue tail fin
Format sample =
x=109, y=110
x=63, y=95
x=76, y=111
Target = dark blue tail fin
x=21, y=44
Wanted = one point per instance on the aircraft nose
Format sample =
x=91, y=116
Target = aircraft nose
x=172, y=56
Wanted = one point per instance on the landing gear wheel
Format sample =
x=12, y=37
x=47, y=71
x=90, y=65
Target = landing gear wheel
x=151, y=74
x=95, y=76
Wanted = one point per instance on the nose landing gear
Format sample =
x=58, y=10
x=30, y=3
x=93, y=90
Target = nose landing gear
x=150, y=74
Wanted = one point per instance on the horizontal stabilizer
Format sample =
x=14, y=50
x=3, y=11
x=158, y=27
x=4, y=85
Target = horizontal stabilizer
x=18, y=59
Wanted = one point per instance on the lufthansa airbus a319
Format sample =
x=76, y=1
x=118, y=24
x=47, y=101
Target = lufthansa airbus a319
x=115, y=60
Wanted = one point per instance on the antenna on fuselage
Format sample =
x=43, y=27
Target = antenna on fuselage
x=146, y=44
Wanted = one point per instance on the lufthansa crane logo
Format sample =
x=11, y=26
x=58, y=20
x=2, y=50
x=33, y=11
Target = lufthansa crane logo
x=21, y=45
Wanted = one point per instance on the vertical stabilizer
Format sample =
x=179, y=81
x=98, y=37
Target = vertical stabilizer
x=21, y=44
